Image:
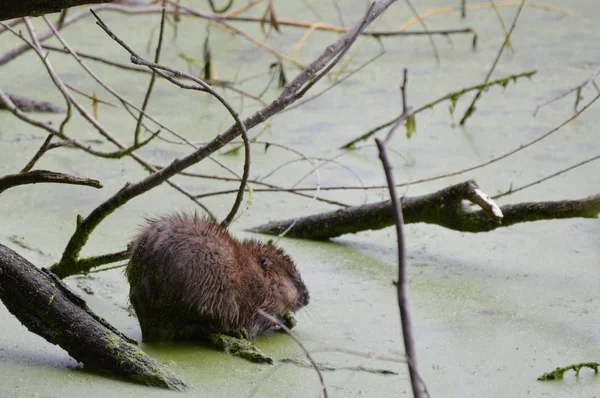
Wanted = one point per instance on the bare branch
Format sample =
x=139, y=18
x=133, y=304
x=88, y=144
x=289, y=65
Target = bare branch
x=443, y=208
x=39, y=176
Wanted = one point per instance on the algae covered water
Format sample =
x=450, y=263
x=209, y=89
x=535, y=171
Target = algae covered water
x=491, y=311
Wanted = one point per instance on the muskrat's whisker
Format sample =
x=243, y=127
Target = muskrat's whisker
x=306, y=352
x=261, y=383
x=361, y=354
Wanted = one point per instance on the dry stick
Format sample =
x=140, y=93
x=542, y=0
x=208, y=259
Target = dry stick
x=69, y=97
x=222, y=22
x=501, y=20
x=471, y=107
x=515, y=190
x=38, y=154
x=405, y=109
x=98, y=59
x=123, y=100
x=243, y=182
x=123, y=151
x=334, y=84
x=152, y=78
x=339, y=13
x=50, y=129
x=422, y=22
x=68, y=262
x=577, y=88
x=12, y=23
x=339, y=29
x=128, y=104
x=402, y=283
x=86, y=95
x=479, y=6
x=59, y=132
x=217, y=83
x=454, y=173
x=206, y=87
x=15, y=52
x=306, y=352
x=37, y=176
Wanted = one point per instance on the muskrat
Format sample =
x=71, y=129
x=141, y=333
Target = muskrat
x=189, y=278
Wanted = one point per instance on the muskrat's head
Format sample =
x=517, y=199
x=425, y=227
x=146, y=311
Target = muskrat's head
x=285, y=290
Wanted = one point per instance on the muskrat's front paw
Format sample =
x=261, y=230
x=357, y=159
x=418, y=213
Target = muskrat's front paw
x=289, y=320
x=239, y=347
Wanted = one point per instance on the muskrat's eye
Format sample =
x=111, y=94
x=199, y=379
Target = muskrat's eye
x=266, y=262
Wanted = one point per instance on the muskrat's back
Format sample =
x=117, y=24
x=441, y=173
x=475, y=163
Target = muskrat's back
x=188, y=278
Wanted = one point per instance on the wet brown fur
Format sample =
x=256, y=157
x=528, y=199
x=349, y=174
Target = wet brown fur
x=188, y=278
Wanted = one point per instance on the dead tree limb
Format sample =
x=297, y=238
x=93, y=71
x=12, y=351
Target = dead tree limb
x=31, y=105
x=48, y=308
x=37, y=176
x=444, y=208
x=419, y=389
x=24, y=8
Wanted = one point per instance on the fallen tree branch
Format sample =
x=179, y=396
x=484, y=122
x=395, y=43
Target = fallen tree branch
x=24, y=8
x=444, y=208
x=31, y=105
x=48, y=308
x=37, y=176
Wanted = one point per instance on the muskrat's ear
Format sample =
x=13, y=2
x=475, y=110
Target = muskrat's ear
x=266, y=263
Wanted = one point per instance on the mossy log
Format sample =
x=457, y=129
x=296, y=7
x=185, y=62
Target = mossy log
x=445, y=208
x=48, y=308
x=24, y=8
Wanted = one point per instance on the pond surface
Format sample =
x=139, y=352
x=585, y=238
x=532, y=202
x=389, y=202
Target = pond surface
x=491, y=311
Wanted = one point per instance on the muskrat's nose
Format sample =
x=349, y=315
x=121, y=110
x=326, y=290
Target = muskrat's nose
x=304, y=298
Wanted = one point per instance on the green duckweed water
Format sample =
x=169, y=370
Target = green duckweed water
x=492, y=312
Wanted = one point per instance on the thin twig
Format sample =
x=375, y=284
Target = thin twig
x=425, y=29
x=302, y=347
x=405, y=109
x=402, y=283
x=39, y=176
x=471, y=107
x=38, y=154
x=152, y=79
x=522, y=187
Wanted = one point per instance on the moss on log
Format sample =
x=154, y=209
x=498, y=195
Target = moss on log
x=48, y=308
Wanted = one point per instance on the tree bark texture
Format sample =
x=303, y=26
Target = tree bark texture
x=48, y=308
x=24, y=8
x=444, y=208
